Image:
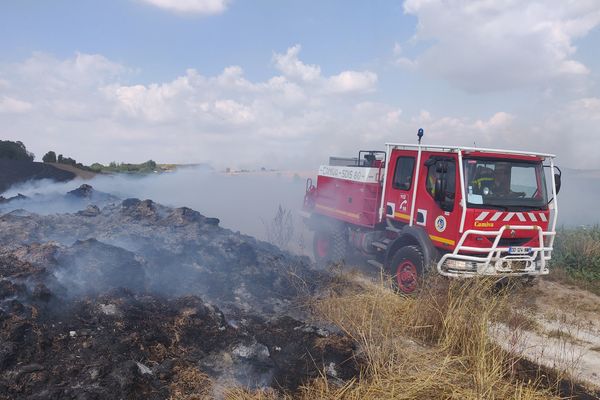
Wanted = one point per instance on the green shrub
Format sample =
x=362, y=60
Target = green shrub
x=127, y=168
x=97, y=167
x=577, y=252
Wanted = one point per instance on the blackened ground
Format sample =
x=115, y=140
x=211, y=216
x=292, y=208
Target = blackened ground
x=121, y=344
x=16, y=171
x=180, y=251
x=131, y=299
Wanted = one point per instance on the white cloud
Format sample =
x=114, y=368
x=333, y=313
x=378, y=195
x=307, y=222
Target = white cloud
x=487, y=45
x=587, y=108
x=494, y=131
x=346, y=81
x=84, y=107
x=401, y=60
x=571, y=132
x=11, y=105
x=293, y=68
x=353, y=81
x=206, y=7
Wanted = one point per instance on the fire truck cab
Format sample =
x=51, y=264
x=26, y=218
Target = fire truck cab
x=460, y=211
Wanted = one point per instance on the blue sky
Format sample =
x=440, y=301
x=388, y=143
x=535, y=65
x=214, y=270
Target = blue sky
x=236, y=82
x=337, y=34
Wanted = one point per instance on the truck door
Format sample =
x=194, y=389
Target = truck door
x=437, y=206
x=400, y=185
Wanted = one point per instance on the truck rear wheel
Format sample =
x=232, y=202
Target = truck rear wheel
x=407, y=269
x=330, y=246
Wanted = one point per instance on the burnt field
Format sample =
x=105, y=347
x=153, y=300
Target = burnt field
x=110, y=298
x=131, y=299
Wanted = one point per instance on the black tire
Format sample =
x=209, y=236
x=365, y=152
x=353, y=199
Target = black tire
x=330, y=246
x=407, y=269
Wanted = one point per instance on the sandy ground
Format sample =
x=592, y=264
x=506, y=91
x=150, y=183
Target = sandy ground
x=560, y=327
x=561, y=330
x=80, y=173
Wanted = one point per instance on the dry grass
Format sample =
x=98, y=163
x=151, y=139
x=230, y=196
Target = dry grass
x=244, y=394
x=563, y=335
x=433, y=346
x=191, y=384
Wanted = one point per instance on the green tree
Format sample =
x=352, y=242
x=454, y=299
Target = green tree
x=68, y=160
x=49, y=157
x=15, y=151
x=96, y=167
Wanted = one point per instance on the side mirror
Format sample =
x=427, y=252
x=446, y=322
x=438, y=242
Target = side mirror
x=557, y=182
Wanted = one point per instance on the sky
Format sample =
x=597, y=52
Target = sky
x=286, y=84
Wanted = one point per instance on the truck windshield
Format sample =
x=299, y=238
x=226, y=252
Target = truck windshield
x=505, y=184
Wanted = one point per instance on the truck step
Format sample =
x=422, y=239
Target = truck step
x=380, y=245
x=375, y=263
x=392, y=229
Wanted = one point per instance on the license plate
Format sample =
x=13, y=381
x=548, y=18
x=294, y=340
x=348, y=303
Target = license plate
x=519, y=250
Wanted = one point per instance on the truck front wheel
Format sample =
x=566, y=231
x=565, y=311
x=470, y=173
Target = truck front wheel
x=329, y=246
x=406, y=269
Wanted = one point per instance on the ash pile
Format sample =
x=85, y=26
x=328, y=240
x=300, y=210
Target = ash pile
x=132, y=299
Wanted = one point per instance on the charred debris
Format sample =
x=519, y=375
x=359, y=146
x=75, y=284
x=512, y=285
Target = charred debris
x=132, y=299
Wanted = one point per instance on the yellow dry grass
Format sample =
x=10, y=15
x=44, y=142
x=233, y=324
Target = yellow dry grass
x=432, y=346
x=191, y=384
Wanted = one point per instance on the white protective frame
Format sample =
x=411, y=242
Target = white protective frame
x=494, y=263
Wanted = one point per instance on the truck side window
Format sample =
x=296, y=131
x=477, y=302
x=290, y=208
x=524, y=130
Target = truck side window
x=448, y=178
x=403, y=173
x=431, y=177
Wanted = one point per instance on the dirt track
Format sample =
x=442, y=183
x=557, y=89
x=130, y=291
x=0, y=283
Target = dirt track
x=570, y=321
x=560, y=329
x=79, y=173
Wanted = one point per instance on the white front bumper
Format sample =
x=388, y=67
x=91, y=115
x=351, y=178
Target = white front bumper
x=496, y=260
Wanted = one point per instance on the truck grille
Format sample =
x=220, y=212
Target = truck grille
x=508, y=242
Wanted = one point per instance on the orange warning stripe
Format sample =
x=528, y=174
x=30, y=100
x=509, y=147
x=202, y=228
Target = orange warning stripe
x=402, y=216
x=442, y=240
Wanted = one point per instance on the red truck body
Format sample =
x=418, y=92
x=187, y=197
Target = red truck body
x=461, y=211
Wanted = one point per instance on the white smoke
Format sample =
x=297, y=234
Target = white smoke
x=243, y=202
x=246, y=202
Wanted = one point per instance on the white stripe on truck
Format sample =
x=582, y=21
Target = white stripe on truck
x=356, y=174
x=508, y=216
x=482, y=216
x=532, y=216
x=496, y=216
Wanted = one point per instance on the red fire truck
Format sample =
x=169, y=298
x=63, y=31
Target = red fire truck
x=460, y=211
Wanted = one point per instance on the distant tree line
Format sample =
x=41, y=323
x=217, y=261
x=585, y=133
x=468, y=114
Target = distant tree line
x=143, y=168
x=50, y=157
x=15, y=151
